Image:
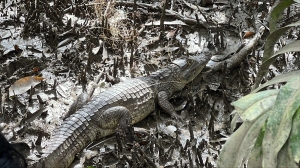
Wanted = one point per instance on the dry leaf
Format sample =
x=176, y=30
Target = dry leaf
x=248, y=34
x=36, y=69
x=24, y=84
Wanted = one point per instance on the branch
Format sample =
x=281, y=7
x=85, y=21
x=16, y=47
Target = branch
x=238, y=57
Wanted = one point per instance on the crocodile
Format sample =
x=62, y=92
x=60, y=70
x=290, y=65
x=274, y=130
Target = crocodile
x=121, y=105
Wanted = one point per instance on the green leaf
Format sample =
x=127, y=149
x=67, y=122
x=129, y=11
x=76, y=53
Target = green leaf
x=255, y=159
x=246, y=102
x=285, y=158
x=278, y=79
x=279, y=123
x=273, y=38
x=236, y=147
x=277, y=13
x=294, y=139
x=269, y=51
x=291, y=47
x=260, y=107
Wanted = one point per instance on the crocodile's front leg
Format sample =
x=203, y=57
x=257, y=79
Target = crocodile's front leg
x=110, y=118
x=163, y=102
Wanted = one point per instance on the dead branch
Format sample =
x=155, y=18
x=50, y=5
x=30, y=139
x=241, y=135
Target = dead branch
x=238, y=57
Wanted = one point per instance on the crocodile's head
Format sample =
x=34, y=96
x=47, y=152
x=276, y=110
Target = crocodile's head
x=191, y=67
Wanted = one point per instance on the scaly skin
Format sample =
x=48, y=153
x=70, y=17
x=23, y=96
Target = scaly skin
x=124, y=103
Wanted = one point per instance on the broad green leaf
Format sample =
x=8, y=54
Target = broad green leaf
x=276, y=13
x=262, y=106
x=247, y=101
x=278, y=79
x=236, y=147
x=294, y=139
x=280, y=122
x=255, y=159
x=285, y=159
x=269, y=51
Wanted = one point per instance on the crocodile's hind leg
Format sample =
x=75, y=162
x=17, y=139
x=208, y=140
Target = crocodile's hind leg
x=114, y=116
x=163, y=102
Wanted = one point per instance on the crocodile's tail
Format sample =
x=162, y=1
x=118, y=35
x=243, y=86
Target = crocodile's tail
x=74, y=134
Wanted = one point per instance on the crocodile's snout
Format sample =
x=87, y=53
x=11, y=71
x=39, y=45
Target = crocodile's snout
x=191, y=67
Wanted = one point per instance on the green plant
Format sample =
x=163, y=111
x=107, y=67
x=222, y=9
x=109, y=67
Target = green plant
x=270, y=133
x=269, y=56
x=271, y=123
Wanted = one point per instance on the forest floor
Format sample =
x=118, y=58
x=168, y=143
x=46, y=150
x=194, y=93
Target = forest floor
x=49, y=51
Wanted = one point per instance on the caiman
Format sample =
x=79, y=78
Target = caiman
x=125, y=103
